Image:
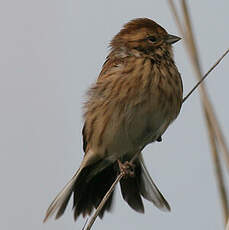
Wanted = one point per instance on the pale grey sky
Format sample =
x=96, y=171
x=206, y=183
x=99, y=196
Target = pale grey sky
x=50, y=53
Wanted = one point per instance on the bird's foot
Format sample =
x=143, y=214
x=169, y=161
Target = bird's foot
x=127, y=168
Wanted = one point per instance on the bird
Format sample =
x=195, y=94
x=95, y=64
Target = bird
x=137, y=95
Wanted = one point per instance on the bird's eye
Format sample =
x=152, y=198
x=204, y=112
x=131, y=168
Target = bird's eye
x=152, y=39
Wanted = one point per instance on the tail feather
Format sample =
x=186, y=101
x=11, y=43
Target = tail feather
x=62, y=198
x=141, y=184
x=149, y=190
x=87, y=190
x=88, y=195
x=130, y=188
x=63, y=206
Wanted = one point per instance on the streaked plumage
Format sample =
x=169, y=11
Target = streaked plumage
x=137, y=95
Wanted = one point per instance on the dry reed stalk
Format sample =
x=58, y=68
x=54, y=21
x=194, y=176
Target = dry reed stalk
x=218, y=172
x=215, y=133
x=227, y=227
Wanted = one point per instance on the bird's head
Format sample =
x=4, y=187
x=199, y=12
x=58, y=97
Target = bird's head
x=143, y=36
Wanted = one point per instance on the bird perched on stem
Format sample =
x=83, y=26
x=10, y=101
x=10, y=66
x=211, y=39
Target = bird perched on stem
x=135, y=98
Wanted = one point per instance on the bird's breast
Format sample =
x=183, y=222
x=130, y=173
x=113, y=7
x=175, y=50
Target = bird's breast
x=133, y=106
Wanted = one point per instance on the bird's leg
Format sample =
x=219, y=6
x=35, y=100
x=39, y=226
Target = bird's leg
x=127, y=168
x=159, y=139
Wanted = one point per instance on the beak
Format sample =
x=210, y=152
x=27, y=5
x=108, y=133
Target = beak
x=170, y=39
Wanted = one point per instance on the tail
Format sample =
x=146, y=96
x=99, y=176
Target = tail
x=141, y=184
x=88, y=187
x=90, y=184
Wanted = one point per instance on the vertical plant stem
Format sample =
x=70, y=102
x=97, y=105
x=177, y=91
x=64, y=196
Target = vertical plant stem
x=213, y=126
x=205, y=98
x=218, y=171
